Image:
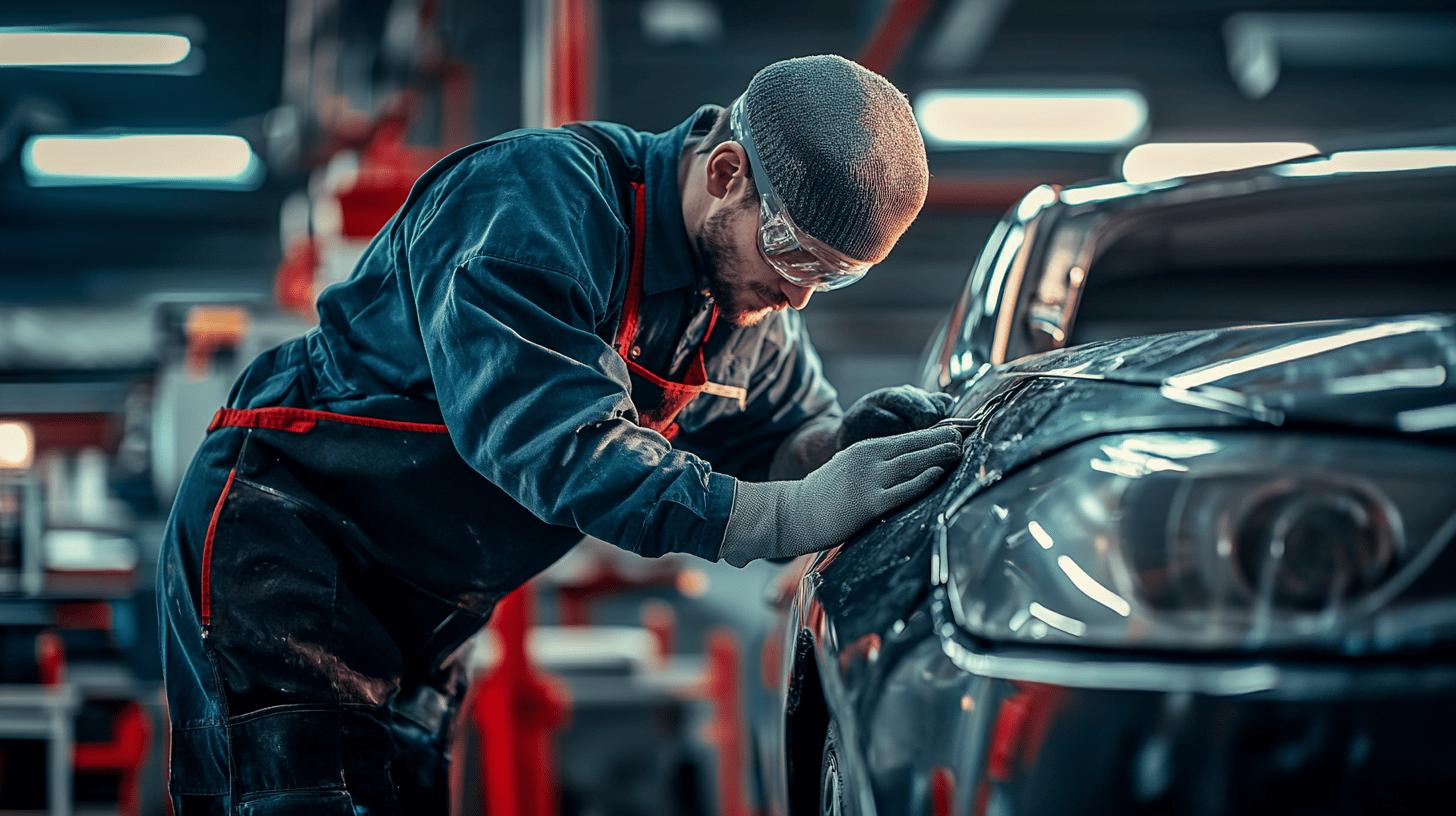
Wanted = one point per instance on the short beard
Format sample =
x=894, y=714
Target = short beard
x=715, y=247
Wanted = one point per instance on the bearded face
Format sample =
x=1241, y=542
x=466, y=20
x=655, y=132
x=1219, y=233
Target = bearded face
x=742, y=283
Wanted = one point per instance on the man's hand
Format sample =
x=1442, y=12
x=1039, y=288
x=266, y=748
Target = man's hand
x=891, y=411
x=856, y=486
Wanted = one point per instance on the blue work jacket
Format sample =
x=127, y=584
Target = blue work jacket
x=493, y=293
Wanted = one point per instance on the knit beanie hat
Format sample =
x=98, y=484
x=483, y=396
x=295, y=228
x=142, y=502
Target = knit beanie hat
x=841, y=148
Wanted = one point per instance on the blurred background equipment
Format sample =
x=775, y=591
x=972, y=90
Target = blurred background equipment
x=179, y=180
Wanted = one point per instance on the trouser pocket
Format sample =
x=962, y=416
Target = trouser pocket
x=298, y=751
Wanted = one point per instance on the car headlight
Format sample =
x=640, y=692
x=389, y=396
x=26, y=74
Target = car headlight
x=1214, y=541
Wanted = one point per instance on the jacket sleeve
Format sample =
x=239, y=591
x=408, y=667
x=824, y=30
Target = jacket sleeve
x=787, y=394
x=511, y=265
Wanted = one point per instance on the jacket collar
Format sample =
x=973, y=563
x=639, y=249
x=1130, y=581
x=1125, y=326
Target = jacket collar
x=669, y=262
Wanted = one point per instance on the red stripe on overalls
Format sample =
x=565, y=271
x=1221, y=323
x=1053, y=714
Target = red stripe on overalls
x=303, y=420
x=206, y=602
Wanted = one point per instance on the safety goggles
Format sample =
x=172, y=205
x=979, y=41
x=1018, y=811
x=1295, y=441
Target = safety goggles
x=797, y=256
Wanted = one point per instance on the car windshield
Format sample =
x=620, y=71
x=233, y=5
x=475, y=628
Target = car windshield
x=1301, y=254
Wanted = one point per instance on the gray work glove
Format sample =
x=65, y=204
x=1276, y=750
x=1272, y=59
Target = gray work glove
x=890, y=411
x=856, y=486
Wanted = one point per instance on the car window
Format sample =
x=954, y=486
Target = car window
x=1361, y=250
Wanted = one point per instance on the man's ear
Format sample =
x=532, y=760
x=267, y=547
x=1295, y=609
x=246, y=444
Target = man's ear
x=727, y=169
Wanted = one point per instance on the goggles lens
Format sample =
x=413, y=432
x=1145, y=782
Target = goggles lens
x=798, y=257
x=794, y=256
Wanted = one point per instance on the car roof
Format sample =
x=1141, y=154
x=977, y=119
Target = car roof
x=1336, y=169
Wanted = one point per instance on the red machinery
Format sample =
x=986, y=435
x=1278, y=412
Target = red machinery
x=123, y=752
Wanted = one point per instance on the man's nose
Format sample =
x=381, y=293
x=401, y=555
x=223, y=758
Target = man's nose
x=797, y=296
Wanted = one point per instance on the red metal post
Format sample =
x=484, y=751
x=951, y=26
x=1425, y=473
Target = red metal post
x=50, y=658
x=726, y=732
x=892, y=33
x=572, y=64
x=517, y=710
x=942, y=791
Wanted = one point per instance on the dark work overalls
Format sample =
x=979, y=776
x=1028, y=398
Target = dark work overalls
x=335, y=566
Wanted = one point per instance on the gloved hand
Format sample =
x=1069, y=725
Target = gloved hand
x=856, y=486
x=890, y=411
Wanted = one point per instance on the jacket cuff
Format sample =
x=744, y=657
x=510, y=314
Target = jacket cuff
x=721, y=488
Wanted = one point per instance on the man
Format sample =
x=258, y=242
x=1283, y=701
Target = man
x=555, y=335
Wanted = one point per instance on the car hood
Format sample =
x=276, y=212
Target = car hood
x=1383, y=373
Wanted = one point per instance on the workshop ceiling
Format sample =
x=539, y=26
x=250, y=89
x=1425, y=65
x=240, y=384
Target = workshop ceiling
x=1369, y=69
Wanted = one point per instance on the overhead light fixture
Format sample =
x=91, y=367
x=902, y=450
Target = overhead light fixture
x=1032, y=118
x=1156, y=161
x=681, y=21
x=166, y=159
x=17, y=445
x=30, y=47
x=1373, y=161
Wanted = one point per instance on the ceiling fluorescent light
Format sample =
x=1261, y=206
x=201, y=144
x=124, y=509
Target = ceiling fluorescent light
x=179, y=160
x=1032, y=118
x=1156, y=161
x=51, y=48
x=681, y=21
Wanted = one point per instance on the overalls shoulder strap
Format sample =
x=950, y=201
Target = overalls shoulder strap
x=627, y=179
x=623, y=173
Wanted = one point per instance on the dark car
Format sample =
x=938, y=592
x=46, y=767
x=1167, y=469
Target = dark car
x=1197, y=557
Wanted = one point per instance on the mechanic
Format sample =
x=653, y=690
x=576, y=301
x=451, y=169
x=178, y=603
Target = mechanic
x=553, y=337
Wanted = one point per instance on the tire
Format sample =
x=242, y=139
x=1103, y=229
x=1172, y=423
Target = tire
x=831, y=776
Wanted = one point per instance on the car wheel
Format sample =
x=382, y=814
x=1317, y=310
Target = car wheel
x=831, y=776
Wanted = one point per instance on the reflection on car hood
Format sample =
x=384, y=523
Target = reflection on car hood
x=1386, y=373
